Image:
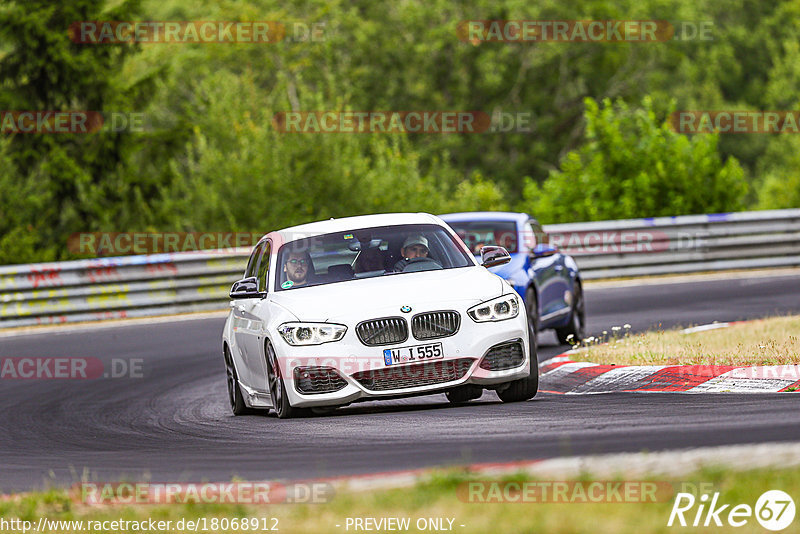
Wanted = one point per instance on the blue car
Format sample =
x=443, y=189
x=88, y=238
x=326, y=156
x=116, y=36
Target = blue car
x=547, y=280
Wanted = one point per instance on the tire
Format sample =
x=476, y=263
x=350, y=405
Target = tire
x=463, y=394
x=235, y=397
x=577, y=319
x=524, y=388
x=532, y=308
x=277, y=387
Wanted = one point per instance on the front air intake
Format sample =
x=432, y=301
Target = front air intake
x=504, y=356
x=412, y=376
x=316, y=380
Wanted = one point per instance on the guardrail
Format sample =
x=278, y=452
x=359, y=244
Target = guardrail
x=683, y=244
x=140, y=286
x=116, y=288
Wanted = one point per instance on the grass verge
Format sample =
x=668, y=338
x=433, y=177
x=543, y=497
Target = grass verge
x=440, y=497
x=772, y=341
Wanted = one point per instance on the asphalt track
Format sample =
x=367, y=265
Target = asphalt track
x=173, y=423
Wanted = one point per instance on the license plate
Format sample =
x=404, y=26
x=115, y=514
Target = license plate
x=415, y=354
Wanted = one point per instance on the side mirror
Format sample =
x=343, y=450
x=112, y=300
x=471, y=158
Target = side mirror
x=494, y=256
x=542, y=250
x=246, y=288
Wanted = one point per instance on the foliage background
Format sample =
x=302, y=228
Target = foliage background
x=210, y=160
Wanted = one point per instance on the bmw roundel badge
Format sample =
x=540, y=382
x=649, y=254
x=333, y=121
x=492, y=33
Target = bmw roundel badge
x=405, y=309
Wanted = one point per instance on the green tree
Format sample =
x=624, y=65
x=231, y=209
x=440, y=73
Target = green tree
x=210, y=159
x=76, y=176
x=241, y=174
x=779, y=179
x=634, y=165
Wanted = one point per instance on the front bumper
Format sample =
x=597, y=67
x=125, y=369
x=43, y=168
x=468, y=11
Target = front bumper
x=366, y=375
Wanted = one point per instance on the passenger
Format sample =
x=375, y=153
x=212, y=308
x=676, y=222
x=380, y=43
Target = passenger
x=297, y=267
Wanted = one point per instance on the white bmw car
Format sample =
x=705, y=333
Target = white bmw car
x=373, y=307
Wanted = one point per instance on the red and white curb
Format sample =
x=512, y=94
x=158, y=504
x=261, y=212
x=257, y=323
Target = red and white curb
x=562, y=375
x=574, y=378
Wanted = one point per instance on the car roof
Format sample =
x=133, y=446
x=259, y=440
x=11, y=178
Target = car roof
x=485, y=216
x=355, y=223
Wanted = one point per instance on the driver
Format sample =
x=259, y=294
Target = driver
x=415, y=246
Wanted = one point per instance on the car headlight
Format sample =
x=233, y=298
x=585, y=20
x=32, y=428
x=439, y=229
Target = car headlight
x=311, y=333
x=497, y=309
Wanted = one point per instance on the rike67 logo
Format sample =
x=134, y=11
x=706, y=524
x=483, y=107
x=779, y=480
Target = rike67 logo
x=774, y=510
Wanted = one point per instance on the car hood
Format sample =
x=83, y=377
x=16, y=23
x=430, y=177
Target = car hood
x=383, y=296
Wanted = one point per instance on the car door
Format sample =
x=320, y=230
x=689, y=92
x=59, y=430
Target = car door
x=249, y=323
x=551, y=277
x=260, y=311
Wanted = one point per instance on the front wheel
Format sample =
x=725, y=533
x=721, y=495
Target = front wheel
x=277, y=388
x=524, y=388
x=575, y=330
x=235, y=398
x=532, y=308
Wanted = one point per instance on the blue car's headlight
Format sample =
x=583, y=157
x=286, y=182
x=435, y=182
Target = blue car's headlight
x=311, y=333
x=497, y=309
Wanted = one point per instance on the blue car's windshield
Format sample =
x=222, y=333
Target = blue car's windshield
x=366, y=253
x=477, y=234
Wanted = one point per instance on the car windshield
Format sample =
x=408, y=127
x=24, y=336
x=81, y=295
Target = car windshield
x=367, y=253
x=477, y=234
